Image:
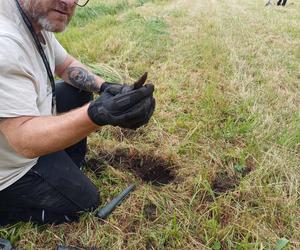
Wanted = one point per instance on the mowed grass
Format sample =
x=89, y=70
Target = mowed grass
x=227, y=88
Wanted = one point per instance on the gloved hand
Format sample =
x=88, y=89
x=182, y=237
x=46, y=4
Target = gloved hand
x=131, y=109
x=122, y=88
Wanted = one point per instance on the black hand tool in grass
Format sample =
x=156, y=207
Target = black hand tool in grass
x=104, y=212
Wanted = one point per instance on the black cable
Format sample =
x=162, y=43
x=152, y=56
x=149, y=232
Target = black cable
x=42, y=54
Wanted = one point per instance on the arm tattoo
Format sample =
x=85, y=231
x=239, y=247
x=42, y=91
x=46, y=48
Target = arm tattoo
x=82, y=79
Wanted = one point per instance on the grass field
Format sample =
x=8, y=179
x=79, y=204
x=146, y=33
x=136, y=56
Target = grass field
x=225, y=137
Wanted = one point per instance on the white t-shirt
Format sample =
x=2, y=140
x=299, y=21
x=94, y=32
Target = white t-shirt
x=25, y=89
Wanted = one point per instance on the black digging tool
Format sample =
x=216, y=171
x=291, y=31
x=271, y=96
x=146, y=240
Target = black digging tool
x=104, y=212
x=5, y=245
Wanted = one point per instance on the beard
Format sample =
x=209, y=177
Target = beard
x=47, y=25
x=47, y=19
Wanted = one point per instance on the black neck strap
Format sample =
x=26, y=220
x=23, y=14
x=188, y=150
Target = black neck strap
x=42, y=54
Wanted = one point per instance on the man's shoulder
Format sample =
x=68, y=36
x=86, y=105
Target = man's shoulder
x=9, y=32
x=12, y=42
x=13, y=54
x=10, y=22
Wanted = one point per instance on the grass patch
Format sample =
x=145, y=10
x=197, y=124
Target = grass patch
x=226, y=75
x=90, y=13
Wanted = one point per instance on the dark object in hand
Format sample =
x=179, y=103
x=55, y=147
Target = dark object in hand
x=104, y=212
x=128, y=109
x=139, y=83
x=5, y=245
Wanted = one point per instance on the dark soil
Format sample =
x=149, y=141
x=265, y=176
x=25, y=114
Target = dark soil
x=146, y=166
x=224, y=182
x=96, y=166
x=150, y=211
x=250, y=165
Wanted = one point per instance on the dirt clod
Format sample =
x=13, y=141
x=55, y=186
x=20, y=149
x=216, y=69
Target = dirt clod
x=227, y=180
x=147, y=166
x=150, y=211
x=223, y=183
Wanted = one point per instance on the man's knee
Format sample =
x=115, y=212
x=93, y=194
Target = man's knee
x=94, y=200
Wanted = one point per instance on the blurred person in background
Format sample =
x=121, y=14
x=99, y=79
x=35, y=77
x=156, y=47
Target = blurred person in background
x=281, y=2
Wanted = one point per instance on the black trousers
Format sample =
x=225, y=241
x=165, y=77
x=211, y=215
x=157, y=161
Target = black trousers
x=281, y=2
x=54, y=190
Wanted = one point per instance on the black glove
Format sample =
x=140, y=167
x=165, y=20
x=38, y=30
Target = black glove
x=116, y=86
x=131, y=109
x=149, y=107
x=123, y=88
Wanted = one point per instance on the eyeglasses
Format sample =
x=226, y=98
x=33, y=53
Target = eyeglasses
x=81, y=3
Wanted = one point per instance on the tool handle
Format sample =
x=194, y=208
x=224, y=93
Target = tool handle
x=107, y=210
x=5, y=245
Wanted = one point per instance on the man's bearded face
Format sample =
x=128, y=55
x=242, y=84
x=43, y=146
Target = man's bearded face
x=50, y=15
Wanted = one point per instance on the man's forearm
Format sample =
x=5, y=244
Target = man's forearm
x=36, y=136
x=76, y=74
